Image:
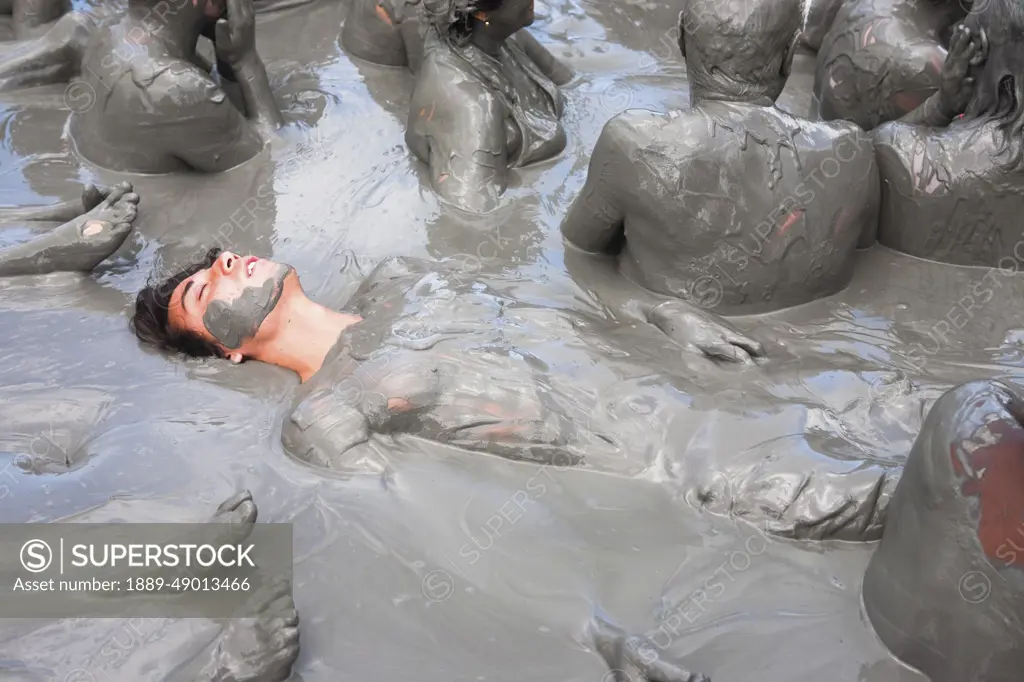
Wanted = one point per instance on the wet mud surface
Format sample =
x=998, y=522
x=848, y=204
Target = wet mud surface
x=430, y=562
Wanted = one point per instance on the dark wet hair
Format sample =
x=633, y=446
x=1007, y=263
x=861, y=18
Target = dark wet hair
x=999, y=83
x=454, y=18
x=150, y=322
x=745, y=43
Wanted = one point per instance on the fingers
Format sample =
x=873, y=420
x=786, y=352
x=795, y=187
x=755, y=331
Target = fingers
x=980, y=48
x=235, y=500
x=957, y=41
x=118, y=191
x=754, y=348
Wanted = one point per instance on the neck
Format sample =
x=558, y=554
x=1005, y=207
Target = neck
x=308, y=332
x=753, y=97
x=179, y=33
x=489, y=38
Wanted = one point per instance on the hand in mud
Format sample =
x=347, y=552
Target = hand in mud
x=965, y=50
x=236, y=36
x=703, y=333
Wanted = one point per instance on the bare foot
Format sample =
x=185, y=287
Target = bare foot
x=83, y=243
x=238, y=513
x=262, y=648
x=704, y=333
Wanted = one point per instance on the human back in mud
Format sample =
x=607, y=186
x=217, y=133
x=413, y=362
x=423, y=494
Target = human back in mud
x=151, y=104
x=733, y=203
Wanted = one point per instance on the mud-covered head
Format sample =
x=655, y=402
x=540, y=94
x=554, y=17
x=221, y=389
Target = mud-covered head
x=738, y=50
x=223, y=306
x=456, y=20
x=999, y=80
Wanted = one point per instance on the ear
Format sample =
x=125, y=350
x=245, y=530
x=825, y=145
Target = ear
x=787, y=63
x=235, y=358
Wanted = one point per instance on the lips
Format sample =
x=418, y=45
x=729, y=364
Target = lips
x=250, y=265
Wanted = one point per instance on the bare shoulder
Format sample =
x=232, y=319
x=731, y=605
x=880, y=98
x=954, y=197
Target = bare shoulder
x=891, y=134
x=175, y=84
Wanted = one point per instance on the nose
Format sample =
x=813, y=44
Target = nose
x=228, y=262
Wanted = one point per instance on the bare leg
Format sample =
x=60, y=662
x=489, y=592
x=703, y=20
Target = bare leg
x=80, y=244
x=53, y=58
x=57, y=213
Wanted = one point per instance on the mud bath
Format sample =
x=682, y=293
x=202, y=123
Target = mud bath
x=428, y=568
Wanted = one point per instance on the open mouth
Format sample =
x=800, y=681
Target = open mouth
x=250, y=265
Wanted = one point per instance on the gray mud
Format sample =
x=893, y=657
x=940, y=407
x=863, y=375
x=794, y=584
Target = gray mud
x=427, y=569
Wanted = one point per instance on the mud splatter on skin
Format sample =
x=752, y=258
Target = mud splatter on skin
x=232, y=322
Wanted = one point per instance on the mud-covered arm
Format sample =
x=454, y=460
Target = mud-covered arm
x=235, y=43
x=930, y=113
x=966, y=50
x=549, y=64
x=595, y=221
x=458, y=128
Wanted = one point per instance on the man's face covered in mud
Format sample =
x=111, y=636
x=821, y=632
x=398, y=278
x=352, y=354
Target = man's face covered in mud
x=229, y=302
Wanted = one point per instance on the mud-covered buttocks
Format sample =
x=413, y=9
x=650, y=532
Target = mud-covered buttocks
x=261, y=648
x=80, y=244
x=945, y=590
x=882, y=59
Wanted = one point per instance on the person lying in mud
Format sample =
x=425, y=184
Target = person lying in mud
x=481, y=105
x=92, y=230
x=421, y=349
x=883, y=58
x=392, y=32
x=733, y=203
x=153, y=107
x=954, y=191
x=260, y=648
x=466, y=368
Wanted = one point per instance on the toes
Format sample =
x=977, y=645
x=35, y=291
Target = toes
x=116, y=192
x=130, y=197
x=235, y=500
